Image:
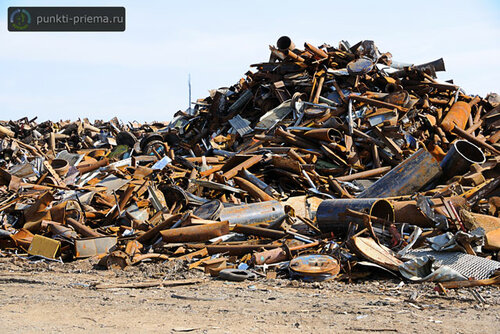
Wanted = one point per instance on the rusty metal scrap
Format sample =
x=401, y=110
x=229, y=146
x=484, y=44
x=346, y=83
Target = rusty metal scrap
x=318, y=160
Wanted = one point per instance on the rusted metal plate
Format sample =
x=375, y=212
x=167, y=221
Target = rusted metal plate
x=43, y=246
x=315, y=267
x=93, y=246
x=369, y=249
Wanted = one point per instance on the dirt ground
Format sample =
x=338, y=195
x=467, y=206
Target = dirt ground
x=62, y=298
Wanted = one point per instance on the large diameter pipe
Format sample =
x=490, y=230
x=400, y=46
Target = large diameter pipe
x=408, y=211
x=481, y=143
x=458, y=115
x=254, y=213
x=406, y=178
x=332, y=213
x=285, y=43
x=197, y=233
x=460, y=156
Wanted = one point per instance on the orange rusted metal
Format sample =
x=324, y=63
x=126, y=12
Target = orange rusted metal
x=318, y=53
x=458, y=115
x=325, y=134
x=195, y=233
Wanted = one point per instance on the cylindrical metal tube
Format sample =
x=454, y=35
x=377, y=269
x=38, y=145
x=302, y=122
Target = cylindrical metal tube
x=479, y=142
x=196, y=233
x=269, y=256
x=254, y=213
x=60, y=166
x=494, y=137
x=332, y=213
x=252, y=189
x=324, y=134
x=256, y=181
x=320, y=54
x=365, y=174
x=458, y=115
x=408, y=212
x=244, y=98
x=406, y=178
x=85, y=168
x=82, y=229
x=460, y=156
x=285, y=43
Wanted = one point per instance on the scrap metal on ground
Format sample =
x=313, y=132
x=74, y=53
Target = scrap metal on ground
x=326, y=162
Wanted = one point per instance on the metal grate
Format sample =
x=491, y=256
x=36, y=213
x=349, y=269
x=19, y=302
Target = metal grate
x=470, y=266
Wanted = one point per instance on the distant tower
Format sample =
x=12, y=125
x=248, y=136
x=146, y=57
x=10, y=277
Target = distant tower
x=189, y=86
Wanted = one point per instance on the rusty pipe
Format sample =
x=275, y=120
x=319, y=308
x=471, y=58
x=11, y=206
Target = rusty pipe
x=85, y=168
x=408, y=177
x=252, y=189
x=318, y=53
x=82, y=229
x=365, y=174
x=196, y=233
x=277, y=254
x=458, y=115
x=294, y=56
x=408, y=211
x=461, y=133
x=494, y=137
x=293, y=139
x=324, y=134
x=332, y=214
x=150, y=234
x=258, y=182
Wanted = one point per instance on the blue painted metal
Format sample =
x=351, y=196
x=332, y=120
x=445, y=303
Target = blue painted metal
x=406, y=178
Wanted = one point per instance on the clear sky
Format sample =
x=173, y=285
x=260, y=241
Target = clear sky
x=141, y=74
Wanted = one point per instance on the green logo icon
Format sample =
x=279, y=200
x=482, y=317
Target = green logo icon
x=20, y=19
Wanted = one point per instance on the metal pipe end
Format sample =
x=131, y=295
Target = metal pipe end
x=285, y=43
x=469, y=151
x=383, y=209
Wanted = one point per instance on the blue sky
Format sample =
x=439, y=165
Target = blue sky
x=141, y=74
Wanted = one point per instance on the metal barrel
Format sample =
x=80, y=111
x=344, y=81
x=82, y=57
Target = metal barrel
x=285, y=43
x=332, y=213
x=254, y=213
x=406, y=178
x=460, y=156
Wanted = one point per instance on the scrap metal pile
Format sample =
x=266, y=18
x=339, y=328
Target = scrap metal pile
x=324, y=162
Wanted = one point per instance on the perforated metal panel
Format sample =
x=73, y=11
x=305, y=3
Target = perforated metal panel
x=470, y=266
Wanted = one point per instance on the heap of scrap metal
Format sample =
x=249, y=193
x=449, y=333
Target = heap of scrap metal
x=324, y=162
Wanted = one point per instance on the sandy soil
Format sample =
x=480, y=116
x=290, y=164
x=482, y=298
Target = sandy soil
x=60, y=298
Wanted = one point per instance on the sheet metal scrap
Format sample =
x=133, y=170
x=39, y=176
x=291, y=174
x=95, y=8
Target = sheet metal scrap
x=331, y=154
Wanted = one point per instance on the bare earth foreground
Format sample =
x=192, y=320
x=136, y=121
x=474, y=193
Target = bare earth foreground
x=59, y=298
